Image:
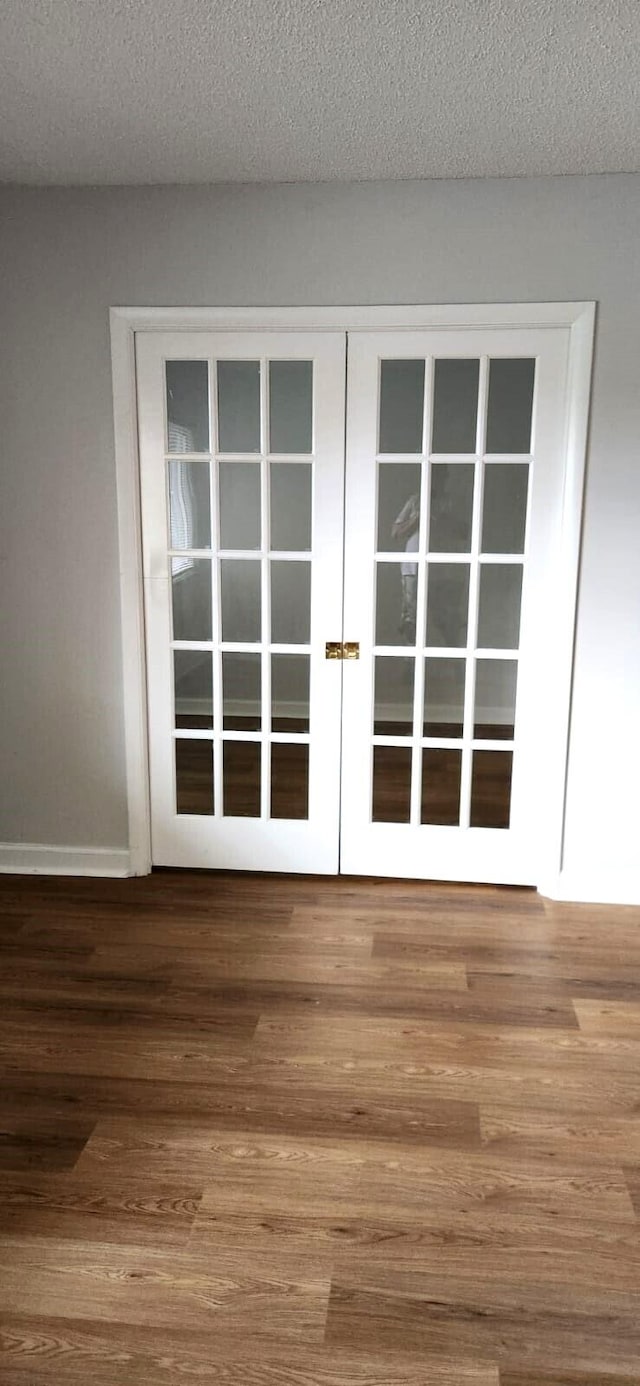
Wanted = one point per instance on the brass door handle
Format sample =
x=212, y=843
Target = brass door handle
x=342, y=649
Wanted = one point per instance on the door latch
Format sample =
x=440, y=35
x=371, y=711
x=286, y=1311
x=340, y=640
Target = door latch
x=342, y=649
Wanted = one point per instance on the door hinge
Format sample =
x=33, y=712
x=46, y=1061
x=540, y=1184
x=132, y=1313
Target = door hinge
x=342, y=649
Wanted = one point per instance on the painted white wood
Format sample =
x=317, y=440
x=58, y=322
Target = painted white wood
x=43, y=859
x=594, y=887
x=259, y=843
x=355, y=317
x=131, y=592
x=567, y=561
x=522, y=853
x=578, y=317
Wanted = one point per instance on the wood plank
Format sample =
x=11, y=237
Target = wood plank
x=39, y=1350
x=80, y=1209
x=281, y=1296
x=609, y=1017
x=606, y=1342
x=548, y=1135
x=582, y=1378
x=316, y=1132
x=40, y=1140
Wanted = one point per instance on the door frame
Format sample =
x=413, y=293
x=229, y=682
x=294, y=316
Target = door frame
x=125, y=322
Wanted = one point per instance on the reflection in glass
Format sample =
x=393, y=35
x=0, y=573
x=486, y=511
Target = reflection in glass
x=238, y=406
x=395, y=603
x=241, y=779
x=401, y=406
x=393, y=701
x=491, y=789
x=447, y=604
x=290, y=692
x=187, y=406
x=194, y=776
x=193, y=688
x=398, y=506
x=495, y=706
x=189, y=505
x=289, y=780
x=291, y=506
x=241, y=684
x=443, y=697
x=239, y=505
x=510, y=405
x=240, y=599
x=290, y=603
x=451, y=507
x=391, y=784
x=440, y=800
x=499, y=606
x=191, y=598
x=455, y=405
x=504, y=510
x=290, y=406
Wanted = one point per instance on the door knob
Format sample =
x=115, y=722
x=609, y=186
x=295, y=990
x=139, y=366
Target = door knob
x=342, y=649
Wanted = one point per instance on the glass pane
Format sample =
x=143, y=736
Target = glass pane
x=193, y=687
x=443, y=697
x=191, y=598
x=240, y=599
x=290, y=406
x=491, y=789
x=189, y=505
x=291, y=506
x=393, y=703
x=447, y=604
x=398, y=506
x=289, y=781
x=451, y=506
x=510, y=405
x=239, y=505
x=401, y=406
x=290, y=692
x=194, y=776
x=241, y=779
x=396, y=590
x=504, y=510
x=290, y=603
x=441, y=786
x=238, y=406
x=241, y=684
x=391, y=784
x=499, y=606
x=188, y=406
x=455, y=406
x=495, y=709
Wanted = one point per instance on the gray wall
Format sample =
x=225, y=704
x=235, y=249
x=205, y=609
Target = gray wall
x=68, y=254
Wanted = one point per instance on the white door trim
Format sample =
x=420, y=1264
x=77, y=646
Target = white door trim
x=126, y=321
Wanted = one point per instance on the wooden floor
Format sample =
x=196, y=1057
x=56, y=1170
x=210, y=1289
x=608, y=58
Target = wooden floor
x=279, y=1132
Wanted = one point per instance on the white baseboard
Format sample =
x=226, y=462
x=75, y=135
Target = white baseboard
x=594, y=887
x=35, y=858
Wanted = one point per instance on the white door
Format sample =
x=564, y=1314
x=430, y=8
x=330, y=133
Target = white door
x=455, y=473
x=428, y=755
x=241, y=439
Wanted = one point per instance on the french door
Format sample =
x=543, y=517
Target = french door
x=349, y=597
x=242, y=482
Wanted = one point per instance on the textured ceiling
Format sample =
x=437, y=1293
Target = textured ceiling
x=187, y=91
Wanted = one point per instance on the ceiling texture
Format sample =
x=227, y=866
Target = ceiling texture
x=206, y=91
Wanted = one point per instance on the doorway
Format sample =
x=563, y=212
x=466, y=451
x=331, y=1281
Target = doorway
x=355, y=573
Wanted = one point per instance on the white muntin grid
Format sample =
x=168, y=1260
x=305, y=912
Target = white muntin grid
x=264, y=556
x=474, y=559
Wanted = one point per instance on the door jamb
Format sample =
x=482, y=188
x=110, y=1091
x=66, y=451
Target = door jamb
x=126, y=321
